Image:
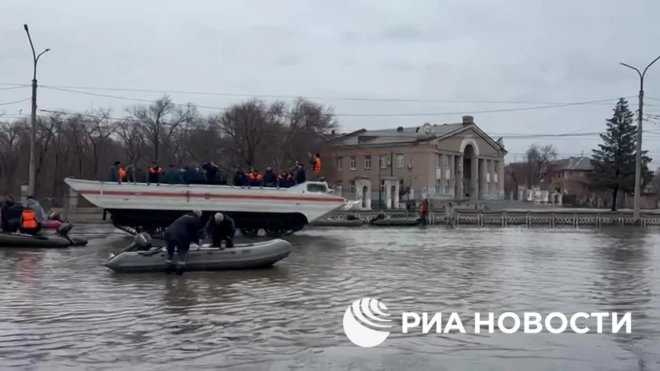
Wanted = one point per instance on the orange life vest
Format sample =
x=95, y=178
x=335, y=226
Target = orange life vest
x=254, y=176
x=317, y=165
x=29, y=220
x=422, y=208
x=122, y=173
x=157, y=170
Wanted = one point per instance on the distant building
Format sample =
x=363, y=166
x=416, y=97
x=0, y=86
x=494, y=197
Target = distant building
x=447, y=162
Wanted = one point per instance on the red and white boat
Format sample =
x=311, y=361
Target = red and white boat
x=151, y=208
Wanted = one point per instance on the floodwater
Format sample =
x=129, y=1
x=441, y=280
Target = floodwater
x=62, y=310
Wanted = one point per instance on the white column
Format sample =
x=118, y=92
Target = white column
x=458, y=166
x=500, y=179
x=474, y=181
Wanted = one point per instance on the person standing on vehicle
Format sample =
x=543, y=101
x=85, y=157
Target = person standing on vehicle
x=179, y=235
x=155, y=173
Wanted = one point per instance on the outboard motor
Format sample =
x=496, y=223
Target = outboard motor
x=56, y=216
x=142, y=241
x=64, y=229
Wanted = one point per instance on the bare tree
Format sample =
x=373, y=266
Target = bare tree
x=538, y=159
x=159, y=121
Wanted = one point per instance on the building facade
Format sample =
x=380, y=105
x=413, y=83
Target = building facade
x=445, y=162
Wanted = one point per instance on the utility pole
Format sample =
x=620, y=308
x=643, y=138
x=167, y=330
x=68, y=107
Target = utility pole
x=638, y=150
x=32, y=171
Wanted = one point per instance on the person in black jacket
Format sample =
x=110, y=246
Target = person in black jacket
x=300, y=176
x=270, y=179
x=4, y=214
x=221, y=228
x=13, y=215
x=179, y=235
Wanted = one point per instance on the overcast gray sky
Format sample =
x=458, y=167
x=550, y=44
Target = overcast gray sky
x=468, y=50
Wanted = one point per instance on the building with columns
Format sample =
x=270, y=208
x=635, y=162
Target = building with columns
x=441, y=162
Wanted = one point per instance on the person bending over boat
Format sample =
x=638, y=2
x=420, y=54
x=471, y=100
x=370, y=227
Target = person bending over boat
x=221, y=228
x=179, y=235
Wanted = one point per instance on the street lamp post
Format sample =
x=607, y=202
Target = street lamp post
x=638, y=157
x=33, y=120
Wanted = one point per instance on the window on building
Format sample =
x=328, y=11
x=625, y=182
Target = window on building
x=399, y=160
x=447, y=187
x=353, y=163
x=438, y=186
x=438, y=159
x=340, y=163
x=352, y=187
x=382, y=186
x=367, y=162
x=446, y=162
x=383, y=161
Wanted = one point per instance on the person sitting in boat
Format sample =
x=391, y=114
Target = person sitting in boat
x=285, y=180
x=240, y=179
x=179, y=235
x=29, y=222
x=155, y=173
x=255, y=179
x=13, y=215
x=270, y=179
x=4, y=214
x=32, y=204
x=221, y=228
x=114, y=172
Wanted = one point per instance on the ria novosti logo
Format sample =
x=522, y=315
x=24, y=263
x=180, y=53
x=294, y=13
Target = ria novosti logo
x=361, y=327
x=359, y=315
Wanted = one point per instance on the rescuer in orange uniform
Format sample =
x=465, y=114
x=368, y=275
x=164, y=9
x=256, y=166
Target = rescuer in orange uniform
x=155, y=173
x=423, y=211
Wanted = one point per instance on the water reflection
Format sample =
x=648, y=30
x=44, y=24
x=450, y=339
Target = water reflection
x=62, y=308
x=625, y=284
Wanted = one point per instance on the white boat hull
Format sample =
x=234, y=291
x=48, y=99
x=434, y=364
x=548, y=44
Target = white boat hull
x=211, y=198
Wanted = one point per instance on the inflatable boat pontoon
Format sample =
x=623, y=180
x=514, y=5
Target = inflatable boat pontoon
x=202, y=258
x=48, y=241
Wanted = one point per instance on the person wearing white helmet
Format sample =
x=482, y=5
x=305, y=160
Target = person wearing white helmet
x=179, y=235
x=221, y=228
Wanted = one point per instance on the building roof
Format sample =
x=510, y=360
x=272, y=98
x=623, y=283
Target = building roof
x=581, y=163
x=396, y=135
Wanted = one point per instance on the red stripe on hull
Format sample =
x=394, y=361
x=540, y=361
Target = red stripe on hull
x=211, y=196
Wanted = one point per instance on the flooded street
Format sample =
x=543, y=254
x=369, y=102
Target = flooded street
x=62, y=310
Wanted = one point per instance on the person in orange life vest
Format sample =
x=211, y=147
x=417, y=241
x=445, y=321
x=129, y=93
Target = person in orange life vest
x=33, y=216
x=316, y=163
x=285, y=180
x=122, y=174
x=155, y=173
x=114, y=172
x=423, y=211
x=255, y=179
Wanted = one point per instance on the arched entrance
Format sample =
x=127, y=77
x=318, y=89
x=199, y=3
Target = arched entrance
x=365, y=191
x=469, y=161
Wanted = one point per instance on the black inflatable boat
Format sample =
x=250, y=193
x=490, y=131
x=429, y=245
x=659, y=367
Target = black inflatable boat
x=50, y=241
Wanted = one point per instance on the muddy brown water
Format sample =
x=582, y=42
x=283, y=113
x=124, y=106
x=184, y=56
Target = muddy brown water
x=62, y=310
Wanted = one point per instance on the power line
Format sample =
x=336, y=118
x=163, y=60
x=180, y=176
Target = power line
x=15, y=102
x=15, y=87
x=358, y=114
x=283, y=96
